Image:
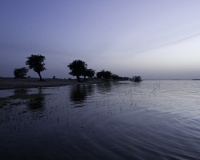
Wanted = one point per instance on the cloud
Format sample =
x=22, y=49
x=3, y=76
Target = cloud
x=169, y=43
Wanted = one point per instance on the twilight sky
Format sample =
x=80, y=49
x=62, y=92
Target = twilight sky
x=156, y=39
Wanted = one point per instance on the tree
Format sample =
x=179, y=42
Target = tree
x=77, y=68
x=115, y=77
x=137, y=79
x=20, y=72
x=99, y=75
x=104, y=74
x=107, y=75
x=89, y=73
x=35, y=62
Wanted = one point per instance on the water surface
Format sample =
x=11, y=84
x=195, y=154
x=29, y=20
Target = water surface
x=147, y=120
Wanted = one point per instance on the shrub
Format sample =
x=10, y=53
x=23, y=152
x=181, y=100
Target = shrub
x=20, y=72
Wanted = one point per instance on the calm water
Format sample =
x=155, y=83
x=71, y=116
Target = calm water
x=147, y=120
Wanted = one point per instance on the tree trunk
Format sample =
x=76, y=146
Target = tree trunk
x=78, y=78
x=40, y=76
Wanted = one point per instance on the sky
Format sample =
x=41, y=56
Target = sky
x=156, y=39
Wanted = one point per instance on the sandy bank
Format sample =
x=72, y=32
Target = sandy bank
x=11, y=83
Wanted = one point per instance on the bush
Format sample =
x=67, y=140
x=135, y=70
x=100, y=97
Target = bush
x=20, y=72
x=137, y=79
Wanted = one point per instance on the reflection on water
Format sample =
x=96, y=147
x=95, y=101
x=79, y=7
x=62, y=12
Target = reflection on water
x=21, y=91
x=78, y=93
x=150, y=120
x=37, y=102
x=15, y=107
x=104, y=87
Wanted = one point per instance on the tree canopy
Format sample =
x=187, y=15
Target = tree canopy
x=78, y=68
x=99, y=75
x=104, y=74
x=89, y=73
x=35, y=62
x=20, y=72
x=115, y=77
x=137, y=79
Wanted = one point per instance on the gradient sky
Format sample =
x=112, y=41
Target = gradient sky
x=156, y=39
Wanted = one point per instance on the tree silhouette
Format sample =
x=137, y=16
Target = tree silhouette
x=89, y=73
x=137, y=79
x=115, y=77
x=104, y=74
x=77, y=68
x=99, y=74
x=107, y=75
x=35, y=62
x=20, y=72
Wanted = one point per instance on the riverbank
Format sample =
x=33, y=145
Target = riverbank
x=12, y=83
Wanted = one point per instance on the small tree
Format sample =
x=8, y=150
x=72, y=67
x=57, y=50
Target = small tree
x=20, y=72
x=107, y=75
x=137, y=79
x=104, y=74
x=89, y=73
x=35, y=62
x=115, y=77
x=77, y=68
x=99, y=75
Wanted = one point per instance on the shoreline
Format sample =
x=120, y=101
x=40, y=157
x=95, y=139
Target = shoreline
x=13, y=83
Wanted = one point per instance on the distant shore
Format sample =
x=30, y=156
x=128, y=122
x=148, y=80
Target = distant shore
x=12, y=83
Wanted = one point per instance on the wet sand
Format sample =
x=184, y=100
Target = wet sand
x=11, y=83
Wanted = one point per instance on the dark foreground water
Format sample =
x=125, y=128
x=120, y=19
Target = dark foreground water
x=147, y=120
